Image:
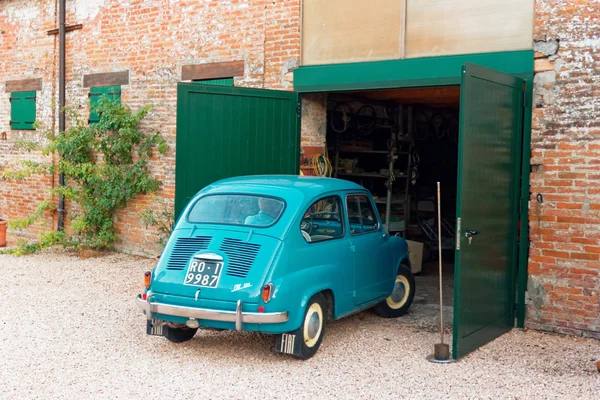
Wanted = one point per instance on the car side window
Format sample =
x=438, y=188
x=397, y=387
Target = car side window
x=361, y=214
x=323, y=220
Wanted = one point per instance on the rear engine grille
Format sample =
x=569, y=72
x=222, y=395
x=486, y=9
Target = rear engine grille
x=241, y=256
x=184, y=249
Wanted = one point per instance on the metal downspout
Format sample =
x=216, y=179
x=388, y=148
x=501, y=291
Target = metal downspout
x=61, y=102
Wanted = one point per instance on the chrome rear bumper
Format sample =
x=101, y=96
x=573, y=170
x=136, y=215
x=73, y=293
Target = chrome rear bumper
x=237, y=316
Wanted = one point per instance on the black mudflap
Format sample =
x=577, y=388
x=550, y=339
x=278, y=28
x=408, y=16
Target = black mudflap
x=288, y=343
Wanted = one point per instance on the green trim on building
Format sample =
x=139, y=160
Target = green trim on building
x=524, y=203
x=411, y=72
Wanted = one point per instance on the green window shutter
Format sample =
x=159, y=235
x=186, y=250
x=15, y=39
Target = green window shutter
x=216, y=82
x=112, y=92
x=22, y=110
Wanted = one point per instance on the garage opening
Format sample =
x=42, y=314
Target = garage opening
x=398, y=144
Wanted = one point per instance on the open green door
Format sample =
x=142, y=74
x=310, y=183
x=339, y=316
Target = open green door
x=224, y=132
x=491, y=123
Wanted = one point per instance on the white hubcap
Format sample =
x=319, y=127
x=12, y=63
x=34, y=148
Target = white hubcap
x=400, y=294
x=313, y=324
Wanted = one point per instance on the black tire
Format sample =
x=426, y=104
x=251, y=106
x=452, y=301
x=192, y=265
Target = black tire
x=398, y=303
x=313, y=326
x=179, y=335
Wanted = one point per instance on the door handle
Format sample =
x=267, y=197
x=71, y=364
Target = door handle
x=469, y=233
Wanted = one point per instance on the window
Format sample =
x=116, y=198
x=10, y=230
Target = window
x=323, y=220
x=361, y=214
x=96, y=93
x=22, y=110
x=237, y=209
x=216, y=82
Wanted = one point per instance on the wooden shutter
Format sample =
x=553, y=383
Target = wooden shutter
x=22, y=110
x=112, y=92
x=216, y=82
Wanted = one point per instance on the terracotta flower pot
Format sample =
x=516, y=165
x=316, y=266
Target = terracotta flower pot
x=3, y=232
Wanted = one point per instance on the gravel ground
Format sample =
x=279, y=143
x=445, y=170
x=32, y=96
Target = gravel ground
x=69, y=329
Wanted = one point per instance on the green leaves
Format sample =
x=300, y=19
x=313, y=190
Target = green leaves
x=105, y=165
x=33, y=218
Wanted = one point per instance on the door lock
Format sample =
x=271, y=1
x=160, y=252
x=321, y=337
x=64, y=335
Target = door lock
x=469, y=233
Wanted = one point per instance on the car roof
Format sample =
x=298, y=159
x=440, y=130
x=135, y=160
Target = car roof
x=282, y=185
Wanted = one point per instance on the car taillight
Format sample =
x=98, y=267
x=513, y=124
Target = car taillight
x=147, y=278
x=267, y=292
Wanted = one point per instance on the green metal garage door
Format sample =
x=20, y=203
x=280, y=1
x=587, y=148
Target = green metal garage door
x=491, y=123
x=226, y=131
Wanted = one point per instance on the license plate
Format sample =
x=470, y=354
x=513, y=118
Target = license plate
x=203, y=273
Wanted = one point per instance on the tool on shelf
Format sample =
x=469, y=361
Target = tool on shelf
x=353, y=145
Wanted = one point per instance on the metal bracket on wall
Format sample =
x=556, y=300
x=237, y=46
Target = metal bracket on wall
x=67, y=29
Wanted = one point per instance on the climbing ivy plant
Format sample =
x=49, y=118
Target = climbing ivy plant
x=105, y=165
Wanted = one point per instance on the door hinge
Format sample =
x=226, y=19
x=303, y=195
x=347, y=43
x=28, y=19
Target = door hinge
x=299, y=109
x=524, y=99
x=458, y=234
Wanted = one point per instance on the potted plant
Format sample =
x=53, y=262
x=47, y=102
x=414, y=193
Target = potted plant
x=3, y=232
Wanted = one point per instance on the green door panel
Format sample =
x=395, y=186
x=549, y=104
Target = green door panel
x=491, y=123
x=224, y=132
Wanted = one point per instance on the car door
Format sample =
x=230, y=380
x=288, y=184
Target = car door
x=371, y=264
x=323, y=227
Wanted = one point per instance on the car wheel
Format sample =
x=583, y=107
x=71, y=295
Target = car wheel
x=179, y=335
x=398, y=303
x=313, y=327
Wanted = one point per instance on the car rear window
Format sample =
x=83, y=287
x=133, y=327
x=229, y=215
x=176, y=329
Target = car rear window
x=237, y=209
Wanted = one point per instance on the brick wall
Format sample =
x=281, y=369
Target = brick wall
x=152, y=40
x=26, y=52
x=564, y=263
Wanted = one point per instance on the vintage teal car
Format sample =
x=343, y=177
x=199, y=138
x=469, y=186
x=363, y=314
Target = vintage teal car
x=276, y=254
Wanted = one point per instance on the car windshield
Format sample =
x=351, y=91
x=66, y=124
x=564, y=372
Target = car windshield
x=237, y=209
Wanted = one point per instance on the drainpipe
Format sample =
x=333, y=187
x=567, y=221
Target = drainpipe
x=61, y=102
